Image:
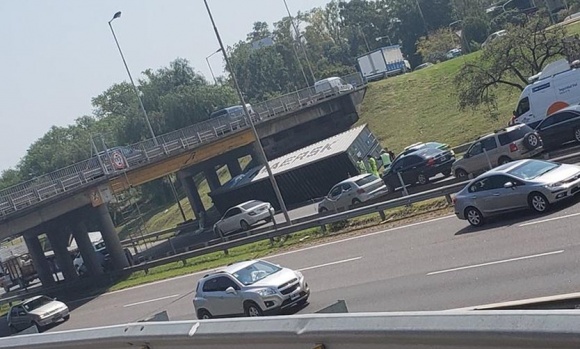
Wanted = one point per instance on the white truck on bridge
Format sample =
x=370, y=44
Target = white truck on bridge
x=382, y=62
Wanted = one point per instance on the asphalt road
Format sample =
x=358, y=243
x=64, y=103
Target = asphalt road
x=432, y=265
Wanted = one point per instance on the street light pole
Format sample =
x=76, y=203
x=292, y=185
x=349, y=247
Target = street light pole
x=209, y=65
x=382, y=37
x=117, y=15
x=422, y=18
x=300, y=42
x=246, y=111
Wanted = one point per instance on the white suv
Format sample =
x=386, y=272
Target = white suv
x=252, y=288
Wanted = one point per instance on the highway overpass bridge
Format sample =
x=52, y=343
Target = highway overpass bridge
x=73, y=200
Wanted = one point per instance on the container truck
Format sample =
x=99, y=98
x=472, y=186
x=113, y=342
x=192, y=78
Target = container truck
x=382, y=62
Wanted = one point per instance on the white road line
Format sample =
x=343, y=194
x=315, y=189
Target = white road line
x=496, y=262
x=549, y=219
x=288, y=253
x=151, y=300
x=360, y=237
x=331, y=263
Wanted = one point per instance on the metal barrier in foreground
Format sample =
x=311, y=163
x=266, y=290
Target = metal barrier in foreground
x=485, y=329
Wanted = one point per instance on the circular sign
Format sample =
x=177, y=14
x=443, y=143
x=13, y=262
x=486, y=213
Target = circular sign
x=118, y=160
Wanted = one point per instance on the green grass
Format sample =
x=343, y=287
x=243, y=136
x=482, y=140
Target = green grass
x=422, y=106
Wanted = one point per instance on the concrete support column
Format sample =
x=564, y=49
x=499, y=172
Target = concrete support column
x=234, y=167
x=111, y=238
x=192, y=192
x=39, y=261
x=59, y=242
x=212, y=178
x=86, y=248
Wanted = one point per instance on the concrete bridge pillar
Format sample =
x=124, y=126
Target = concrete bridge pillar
x=39, y=260
x=59, y=238
x=111, y=239
x=86, y=248
x=234, y=167
x=192, y=192
x=212, y=178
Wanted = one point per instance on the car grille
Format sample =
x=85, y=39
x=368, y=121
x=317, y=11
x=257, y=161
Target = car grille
x=289, y=287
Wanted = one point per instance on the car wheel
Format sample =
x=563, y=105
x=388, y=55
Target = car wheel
x=474, y=216
x=40, y=328
x=422, y=179
x=253, y=310
x=504, y=160
x=531, y=141
x=446, y=173
x=66, y=318
x=538, y=202
x=203, y=315
x=322, y=210
x=244, y=225
x=461, y=174
x=577, y=134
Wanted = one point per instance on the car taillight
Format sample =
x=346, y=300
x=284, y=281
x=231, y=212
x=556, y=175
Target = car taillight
x=513, y=147
x=453, y=200
x=360, y=191
x=431, y=162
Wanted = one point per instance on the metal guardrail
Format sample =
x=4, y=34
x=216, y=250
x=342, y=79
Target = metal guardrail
x=457, y=330
x=90, y=171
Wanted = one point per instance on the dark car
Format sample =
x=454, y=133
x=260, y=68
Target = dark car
x=560, y=127
x=418, y=167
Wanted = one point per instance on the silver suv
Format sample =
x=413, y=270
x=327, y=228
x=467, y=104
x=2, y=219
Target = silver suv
x=512, y=143
x=252, y=288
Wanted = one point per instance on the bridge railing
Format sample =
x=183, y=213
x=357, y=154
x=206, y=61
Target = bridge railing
x=86, y=172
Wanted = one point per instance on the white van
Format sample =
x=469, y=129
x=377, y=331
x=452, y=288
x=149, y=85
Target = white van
x=556, y=87
x=332, y=85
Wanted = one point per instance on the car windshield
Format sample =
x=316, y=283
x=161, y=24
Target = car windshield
x=366, y=180
x=533, y=169
x=256, y=272
x=36, y=303
x=251, y=204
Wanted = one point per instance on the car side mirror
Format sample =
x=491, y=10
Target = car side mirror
x=231, y=290
x=509, y=185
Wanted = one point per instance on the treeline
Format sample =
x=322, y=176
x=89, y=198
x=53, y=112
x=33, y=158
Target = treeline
x=271, y=61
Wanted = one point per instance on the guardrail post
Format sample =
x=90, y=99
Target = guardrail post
x=383, y=216
x=448, y=198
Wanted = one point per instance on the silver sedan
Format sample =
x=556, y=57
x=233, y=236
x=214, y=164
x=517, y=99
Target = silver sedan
x=517, y=185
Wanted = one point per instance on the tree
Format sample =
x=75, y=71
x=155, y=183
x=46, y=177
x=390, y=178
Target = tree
x=509, y=61
x=9, y=178
x=434, y=48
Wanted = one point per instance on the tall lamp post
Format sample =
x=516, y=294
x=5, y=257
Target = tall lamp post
x=115, y=16
x=422, y=18
x=300, y=42
x=209, y=65
x=243, y=102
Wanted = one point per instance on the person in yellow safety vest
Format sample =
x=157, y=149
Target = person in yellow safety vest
x=386, y=159
x=373, y=165
x=360, y=164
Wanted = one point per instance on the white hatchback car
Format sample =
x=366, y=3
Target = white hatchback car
x=244, y=216
x=353, y=191
x=252, y=288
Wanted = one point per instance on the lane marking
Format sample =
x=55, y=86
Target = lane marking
x=286, y=253
x=331, y=263
x=496, y=262
x=360, y=236
x=549, y=219
x=150, y=301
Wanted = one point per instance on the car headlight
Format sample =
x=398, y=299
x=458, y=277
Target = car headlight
x=300, y=275
x=266, y=292
x=554, y=185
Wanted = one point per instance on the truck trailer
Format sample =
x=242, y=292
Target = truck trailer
x=382, y=62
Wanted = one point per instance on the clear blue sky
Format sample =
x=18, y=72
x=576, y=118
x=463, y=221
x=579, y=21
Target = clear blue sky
x=58, y=54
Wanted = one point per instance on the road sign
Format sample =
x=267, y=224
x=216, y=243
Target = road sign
x=118, y=160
